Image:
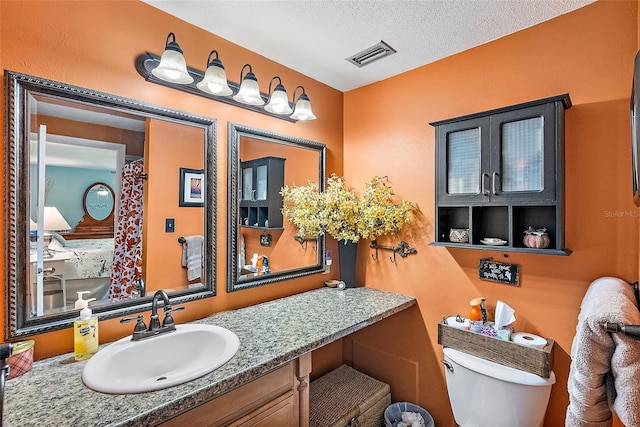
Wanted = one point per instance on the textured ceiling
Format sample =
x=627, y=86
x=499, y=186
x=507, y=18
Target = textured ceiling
x=316, y=37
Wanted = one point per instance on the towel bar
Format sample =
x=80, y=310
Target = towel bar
x=629, y=330
x=181, y=239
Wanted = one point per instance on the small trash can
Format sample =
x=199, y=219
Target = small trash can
x=393, y=414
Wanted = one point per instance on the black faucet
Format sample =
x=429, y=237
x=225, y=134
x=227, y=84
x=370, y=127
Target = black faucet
x=140, y=331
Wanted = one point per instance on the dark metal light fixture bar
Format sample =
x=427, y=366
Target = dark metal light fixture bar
x=148, y=61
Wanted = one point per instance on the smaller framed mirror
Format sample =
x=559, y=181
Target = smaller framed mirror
x=263, y=247
x=98, y=202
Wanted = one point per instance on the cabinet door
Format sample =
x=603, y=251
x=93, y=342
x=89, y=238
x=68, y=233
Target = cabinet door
x=277, y=413
x=463, y=161
x=262, y=173
x=247, y=184
x=523, y=155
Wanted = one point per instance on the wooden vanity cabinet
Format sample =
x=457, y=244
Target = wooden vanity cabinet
x=279, y=398
x=499, y=172
x=260, y=201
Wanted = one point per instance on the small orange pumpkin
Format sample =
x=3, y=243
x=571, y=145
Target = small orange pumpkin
x=536, y=238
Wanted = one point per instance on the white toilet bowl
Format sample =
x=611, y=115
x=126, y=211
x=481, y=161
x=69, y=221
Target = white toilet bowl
x=486, y=394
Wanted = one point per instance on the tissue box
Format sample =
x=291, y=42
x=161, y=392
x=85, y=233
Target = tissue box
x=529, y=359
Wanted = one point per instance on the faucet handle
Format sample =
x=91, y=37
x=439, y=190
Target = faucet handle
x=168, y=318
x=140, y=325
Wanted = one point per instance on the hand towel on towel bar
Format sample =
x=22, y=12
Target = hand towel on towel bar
x=605, y=367
x=192, y=250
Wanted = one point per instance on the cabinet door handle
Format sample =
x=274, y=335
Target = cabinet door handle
x=494, y=187
x=485, y=192
x=253, y=195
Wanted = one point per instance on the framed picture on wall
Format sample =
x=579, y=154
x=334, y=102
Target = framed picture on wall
x=191, y=188
x=635, y=128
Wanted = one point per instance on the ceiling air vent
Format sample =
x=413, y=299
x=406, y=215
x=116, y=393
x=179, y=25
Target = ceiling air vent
x=371, y=54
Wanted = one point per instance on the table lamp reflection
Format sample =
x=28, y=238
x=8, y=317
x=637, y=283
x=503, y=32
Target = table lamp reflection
x=53, y=221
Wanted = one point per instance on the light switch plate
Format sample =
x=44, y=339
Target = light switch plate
x=169, y=225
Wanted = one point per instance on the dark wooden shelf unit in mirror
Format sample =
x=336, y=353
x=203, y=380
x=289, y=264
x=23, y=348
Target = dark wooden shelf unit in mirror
x=500, y=172
x=79, y=150
x=261, y=180
x=260, y=164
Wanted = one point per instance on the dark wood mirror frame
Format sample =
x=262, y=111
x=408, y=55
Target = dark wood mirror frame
x=234, y=134
x=18, y=88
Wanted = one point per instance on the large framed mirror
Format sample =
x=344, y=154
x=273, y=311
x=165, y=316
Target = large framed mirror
x=92, y=183
x=262, y=245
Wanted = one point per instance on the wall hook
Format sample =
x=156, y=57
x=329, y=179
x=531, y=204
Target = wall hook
x=303, y=242
x=403, y=249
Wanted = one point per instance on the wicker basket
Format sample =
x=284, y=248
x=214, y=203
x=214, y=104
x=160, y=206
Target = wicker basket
x=347, y=397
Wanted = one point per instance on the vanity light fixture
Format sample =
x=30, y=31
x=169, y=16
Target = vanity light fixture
x=170, y=70
x=249, y=92
x=215, y=78
x=303, y=106
x=173, y=67
x=278, y=102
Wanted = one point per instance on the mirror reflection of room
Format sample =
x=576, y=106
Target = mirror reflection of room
x=90, y=201
x=265, y=237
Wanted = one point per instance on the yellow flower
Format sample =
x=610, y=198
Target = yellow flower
x=341, y=213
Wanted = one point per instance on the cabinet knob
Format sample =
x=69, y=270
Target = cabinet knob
x=485, y=176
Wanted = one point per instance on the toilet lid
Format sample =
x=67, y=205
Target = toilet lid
x=495, y=370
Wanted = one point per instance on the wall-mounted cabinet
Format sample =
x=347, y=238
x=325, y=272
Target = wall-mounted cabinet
x=260, y=201
x=501, y=171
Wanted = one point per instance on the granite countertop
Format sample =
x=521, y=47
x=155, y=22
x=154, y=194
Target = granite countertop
x=271, y=334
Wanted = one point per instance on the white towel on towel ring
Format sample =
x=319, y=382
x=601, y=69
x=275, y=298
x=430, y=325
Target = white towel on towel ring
x=192, y=250
x=605, y=367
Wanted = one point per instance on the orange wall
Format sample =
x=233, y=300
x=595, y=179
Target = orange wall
x=587, y=53
x=94, y=45
x=171, y=146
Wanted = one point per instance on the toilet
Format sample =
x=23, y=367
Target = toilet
x=486, y=394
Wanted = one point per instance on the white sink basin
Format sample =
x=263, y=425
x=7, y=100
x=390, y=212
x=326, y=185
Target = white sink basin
x=159, y=362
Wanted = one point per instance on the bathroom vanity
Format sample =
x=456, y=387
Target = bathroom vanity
x=267, y=379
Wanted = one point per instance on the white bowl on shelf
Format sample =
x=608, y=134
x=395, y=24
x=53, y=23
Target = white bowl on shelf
x=493, y=241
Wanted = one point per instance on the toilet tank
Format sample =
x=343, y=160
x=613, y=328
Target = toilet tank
x=486, y=394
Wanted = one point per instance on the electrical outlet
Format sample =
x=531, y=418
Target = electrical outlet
x=169, y=225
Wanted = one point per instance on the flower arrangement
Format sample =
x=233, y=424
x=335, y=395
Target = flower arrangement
x=341, y=213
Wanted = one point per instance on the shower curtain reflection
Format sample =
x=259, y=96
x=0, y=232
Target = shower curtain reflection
x=127, y=259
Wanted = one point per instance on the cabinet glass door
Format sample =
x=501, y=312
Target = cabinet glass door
x=523, y=155
x=247, y=183
x=463, y=162
x=261, y=182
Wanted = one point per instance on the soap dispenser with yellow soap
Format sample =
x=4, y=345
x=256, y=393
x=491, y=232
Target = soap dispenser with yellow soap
x=85, y=330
